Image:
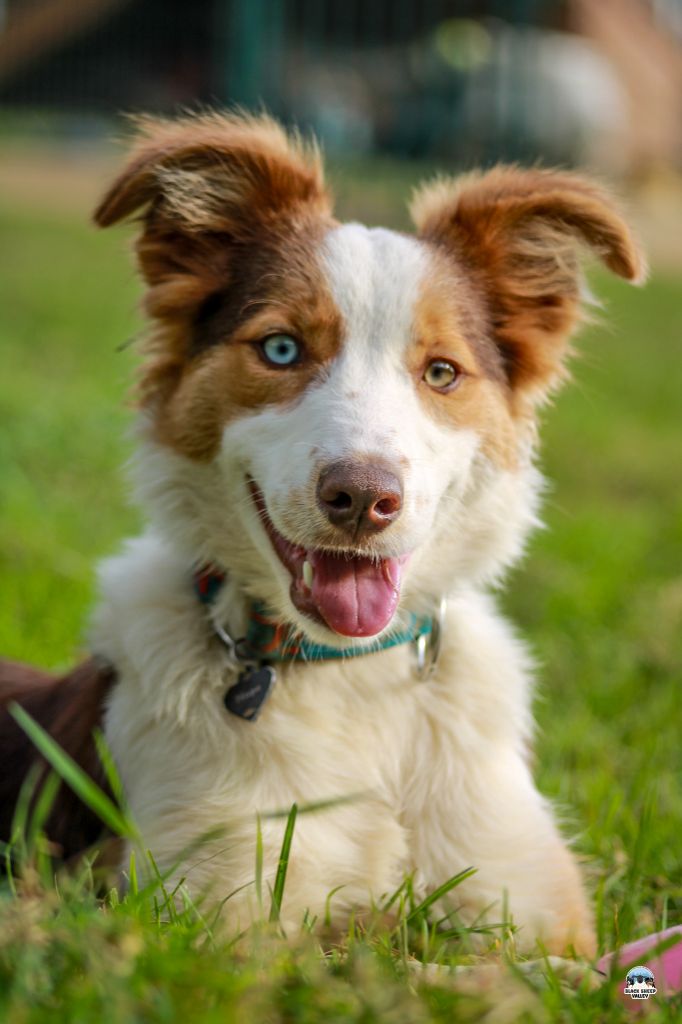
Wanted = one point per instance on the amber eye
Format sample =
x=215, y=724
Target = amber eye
x=441, y=374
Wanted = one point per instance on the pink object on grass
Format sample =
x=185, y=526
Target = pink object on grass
x=666, y=965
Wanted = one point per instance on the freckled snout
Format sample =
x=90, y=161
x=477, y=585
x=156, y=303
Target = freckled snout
x=360, y=498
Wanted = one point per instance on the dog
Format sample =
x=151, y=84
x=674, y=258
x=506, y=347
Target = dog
x=335, y=453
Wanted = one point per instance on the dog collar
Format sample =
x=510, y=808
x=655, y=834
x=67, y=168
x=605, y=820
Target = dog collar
x=267, y=641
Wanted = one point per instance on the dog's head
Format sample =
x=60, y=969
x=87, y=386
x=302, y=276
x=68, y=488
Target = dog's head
x=339, y=415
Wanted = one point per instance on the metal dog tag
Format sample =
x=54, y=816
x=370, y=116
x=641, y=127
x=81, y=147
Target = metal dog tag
x=250, y=692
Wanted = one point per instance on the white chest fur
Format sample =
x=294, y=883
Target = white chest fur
x=430, y=776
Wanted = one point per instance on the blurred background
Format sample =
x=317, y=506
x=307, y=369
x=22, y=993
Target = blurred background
x=468, y=81
x=459, y=83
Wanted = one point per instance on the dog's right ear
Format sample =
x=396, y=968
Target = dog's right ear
x=202, y=184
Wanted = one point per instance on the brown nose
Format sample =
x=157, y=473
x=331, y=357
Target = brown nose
x=360, y=497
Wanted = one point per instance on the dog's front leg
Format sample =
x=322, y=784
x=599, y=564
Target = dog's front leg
x=339, y=860
x=496, y=821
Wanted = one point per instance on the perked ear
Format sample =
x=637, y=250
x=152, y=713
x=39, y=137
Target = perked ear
x=518, y=233
x=208, y=179
x=218, y=172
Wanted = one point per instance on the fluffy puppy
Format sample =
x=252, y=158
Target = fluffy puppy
x=339, y=422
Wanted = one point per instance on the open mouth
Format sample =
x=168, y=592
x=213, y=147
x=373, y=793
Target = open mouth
x=352, y=594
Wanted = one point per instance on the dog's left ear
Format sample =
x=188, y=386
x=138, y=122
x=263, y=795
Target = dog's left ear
x=517, y=234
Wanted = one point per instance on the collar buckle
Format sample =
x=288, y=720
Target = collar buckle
x=235, y=650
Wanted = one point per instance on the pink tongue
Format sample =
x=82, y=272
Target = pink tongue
x=355, y=596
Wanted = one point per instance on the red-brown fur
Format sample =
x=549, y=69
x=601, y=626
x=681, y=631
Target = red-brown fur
x=231, y=206
x=278, y=289
x=515, y=232
x=450, y=324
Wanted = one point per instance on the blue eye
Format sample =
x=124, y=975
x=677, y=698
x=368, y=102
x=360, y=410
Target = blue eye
x=281, y=350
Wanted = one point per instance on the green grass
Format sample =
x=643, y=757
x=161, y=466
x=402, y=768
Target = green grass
x=68, y=302
x=600, y=597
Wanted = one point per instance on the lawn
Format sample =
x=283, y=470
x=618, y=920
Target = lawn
x=599, y=596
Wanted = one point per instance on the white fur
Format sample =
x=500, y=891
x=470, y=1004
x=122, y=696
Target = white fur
x=434, y=774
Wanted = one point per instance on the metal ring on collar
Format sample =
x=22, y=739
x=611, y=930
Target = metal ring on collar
x=428, y=645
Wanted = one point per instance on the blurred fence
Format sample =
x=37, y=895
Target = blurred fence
x=414, y=78
x=469, y=80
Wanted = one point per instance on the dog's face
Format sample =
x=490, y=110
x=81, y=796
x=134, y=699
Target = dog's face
x=343, y=417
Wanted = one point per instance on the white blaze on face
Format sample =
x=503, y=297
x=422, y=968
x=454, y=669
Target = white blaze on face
x=375, y=277
x=366, y=405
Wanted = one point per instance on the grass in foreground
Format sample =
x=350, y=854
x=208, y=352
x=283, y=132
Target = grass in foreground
x=69, y=953
x=600, y=597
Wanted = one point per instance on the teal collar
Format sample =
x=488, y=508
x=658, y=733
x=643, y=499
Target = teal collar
x=273, y=641
x=269, y=641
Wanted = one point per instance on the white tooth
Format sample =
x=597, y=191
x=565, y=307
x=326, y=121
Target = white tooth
x=308, y=574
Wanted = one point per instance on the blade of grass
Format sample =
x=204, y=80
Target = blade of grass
x=74, y=776
x=19, y=827
x=132, y=874
x=43, y=806
x=161, y=884
x=328, y=905
x=386, y=906
x=317, y=805
x=438, y=893
x=282, y=866
x=9, y=858
x=110, y=770
x=259, y=864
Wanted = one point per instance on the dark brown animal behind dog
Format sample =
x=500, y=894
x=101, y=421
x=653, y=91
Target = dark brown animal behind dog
x=69, y=707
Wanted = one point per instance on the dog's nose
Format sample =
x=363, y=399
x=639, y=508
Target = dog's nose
x=360, y=497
